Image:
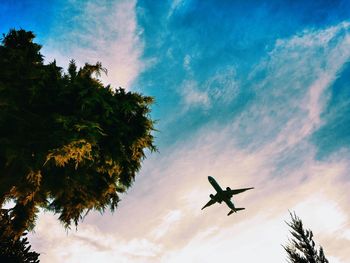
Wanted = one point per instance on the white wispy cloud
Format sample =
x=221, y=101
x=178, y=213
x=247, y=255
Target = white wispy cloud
x=193, y=96
x=222, y=88
x=299, y=70
x=175, y=5
x=89, y=244
x=167, y=223
x=102, y=31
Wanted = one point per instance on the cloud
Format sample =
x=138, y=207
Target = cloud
x=213, y=245
x=333, y=222
x=88, y=244
x=290, y=84
x=220, y=89
x=193, y=96
x=176, y=4
x=168, y=222
x=100, y=31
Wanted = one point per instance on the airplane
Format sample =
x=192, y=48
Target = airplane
x=224, y=195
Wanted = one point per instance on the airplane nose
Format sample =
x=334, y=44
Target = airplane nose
x=210, y=178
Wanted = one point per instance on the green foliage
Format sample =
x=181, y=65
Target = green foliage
x=14, y=250
x=67, y=143
x=301, y=248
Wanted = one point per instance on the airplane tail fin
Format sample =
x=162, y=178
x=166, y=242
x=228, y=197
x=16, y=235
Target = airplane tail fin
x=236, y=209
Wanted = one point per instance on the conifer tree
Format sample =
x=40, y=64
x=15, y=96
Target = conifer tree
x=14, y=250
x=68, y=143
x=301, y=248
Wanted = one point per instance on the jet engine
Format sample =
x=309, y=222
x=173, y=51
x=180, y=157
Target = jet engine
x=228, y=188
x=211, y=196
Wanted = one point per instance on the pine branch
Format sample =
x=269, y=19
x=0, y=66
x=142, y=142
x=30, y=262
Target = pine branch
x=301, y=248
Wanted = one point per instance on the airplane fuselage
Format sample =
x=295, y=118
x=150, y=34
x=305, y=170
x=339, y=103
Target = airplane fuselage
x=220, y=193
x=215, y=184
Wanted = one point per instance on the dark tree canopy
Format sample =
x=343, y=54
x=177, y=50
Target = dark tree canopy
x=301, y=248
x=67, y=143
x=14, y=250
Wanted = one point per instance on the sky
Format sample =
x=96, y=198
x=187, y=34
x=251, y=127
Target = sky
x=253, y=93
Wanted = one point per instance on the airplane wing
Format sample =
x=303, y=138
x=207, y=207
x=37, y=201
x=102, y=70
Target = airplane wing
x=211, y=202
x=236, y=191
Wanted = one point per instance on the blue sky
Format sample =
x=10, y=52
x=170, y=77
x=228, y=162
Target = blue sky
x=253, y=93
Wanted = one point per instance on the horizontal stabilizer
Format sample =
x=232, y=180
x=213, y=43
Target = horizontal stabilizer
x=236, y=209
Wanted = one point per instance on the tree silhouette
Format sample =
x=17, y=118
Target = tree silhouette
x=67, y=143
x=301, y=248
x=14, y=250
